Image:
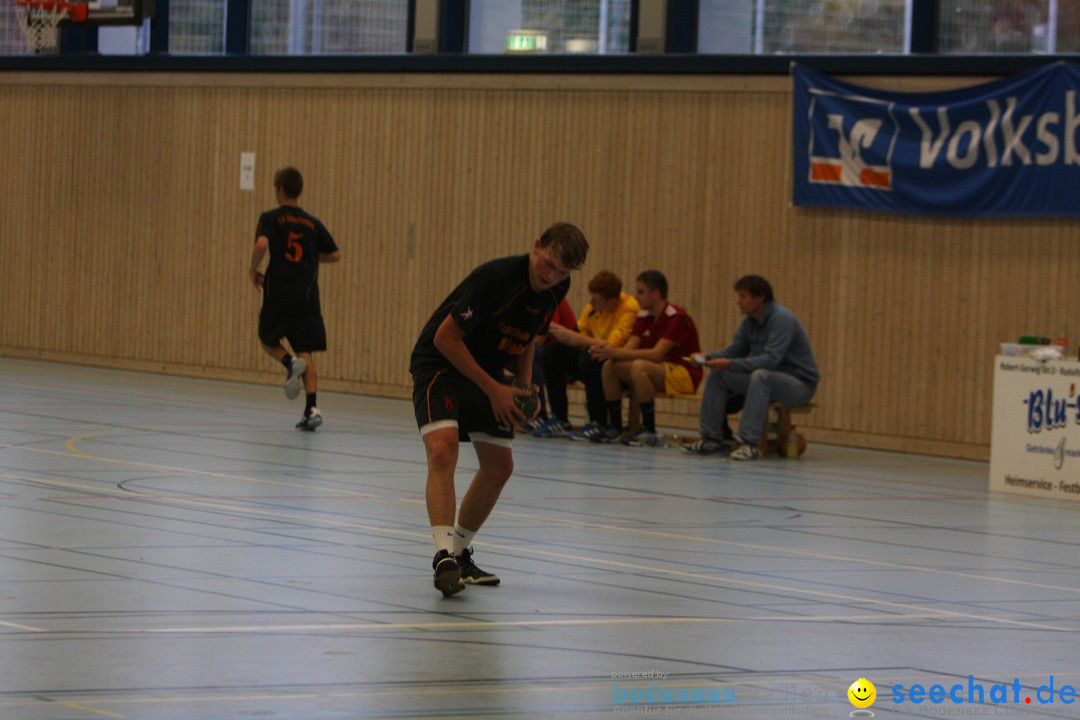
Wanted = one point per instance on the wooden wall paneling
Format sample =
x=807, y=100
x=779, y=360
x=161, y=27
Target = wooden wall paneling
x=355, y=291
x=354, y=172
x=80, y=294
x=396, y=211
x=840, y=300
x=958, y=266
x=236, y=130
x=46, y=204
x=419, y=294
x=718, y=232
x=137, y=236
x=979, y=336
x=25, y=289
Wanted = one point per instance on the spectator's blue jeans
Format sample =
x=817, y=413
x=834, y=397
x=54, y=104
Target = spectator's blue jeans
x=760, y=387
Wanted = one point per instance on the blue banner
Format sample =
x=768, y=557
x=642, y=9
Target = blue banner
x=1003, y=148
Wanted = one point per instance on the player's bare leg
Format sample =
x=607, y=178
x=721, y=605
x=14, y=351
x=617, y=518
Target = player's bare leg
x=496, y=466
x=611, y=375
x=647, y=378
x=441, y=447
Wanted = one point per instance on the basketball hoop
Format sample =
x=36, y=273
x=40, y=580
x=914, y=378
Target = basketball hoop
x=40, y=18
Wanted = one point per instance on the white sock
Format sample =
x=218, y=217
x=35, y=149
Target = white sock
x=444, y=537
x=462, y=538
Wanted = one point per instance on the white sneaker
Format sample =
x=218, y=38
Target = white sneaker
x=552, y=427
x=293, y=382
x=745, y=452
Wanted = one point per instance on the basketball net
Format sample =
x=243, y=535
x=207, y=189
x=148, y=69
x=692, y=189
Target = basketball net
x=38, y=23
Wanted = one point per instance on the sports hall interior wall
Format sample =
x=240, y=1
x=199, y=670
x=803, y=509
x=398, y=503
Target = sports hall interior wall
x=127, y=236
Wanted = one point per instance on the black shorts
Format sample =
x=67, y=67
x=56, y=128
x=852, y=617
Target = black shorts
x=303, y=328
x=449, y=399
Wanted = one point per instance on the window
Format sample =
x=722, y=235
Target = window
x=12, y=40
x=331, y=27
x=1009, y=26
x=495, y=27
x=197, y=27
x=549, y=26
x=803, y=26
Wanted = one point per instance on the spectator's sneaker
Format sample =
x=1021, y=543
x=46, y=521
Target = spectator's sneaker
x=310, y=421
x=531, y=426
x=553, y=427
x=472, y=575
x=745, y=451
x=293, y=382
x=447, y=573
x=607, y=435
x=642, y=438
x=590, y=430
x=703, y=447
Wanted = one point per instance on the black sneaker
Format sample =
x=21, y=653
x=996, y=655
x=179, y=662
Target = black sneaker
x=310, y=421
x=704, y=446
x=471, y=574
x=607, y=435
x=447, y=573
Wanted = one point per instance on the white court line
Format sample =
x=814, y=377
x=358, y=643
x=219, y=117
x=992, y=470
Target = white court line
x=784, y=550
x=638, y=569
x=499, y=624
x=540, y=685
x=610, y=528
x=168, y=468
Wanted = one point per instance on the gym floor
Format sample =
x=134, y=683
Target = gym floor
x=172, y=548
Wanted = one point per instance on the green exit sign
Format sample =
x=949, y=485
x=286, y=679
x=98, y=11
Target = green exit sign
x=525, y=41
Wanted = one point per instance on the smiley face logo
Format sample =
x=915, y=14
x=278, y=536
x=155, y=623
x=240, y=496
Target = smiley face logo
x=862, y=693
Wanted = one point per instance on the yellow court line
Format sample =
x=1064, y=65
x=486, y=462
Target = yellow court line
x=621, y=530
x=538, y=686
x=86, y=708
x=168, y=468
x=773, y=548
x=638, y=568
x=17, y=626
x=635, y=568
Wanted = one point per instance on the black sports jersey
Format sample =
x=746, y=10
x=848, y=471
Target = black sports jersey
x=499, y=313
x=296, y=240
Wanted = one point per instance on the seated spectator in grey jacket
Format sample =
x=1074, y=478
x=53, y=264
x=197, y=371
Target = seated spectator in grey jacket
x=769, y=360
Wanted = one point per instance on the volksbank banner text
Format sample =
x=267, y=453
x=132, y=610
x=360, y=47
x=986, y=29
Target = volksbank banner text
x=1003, y=148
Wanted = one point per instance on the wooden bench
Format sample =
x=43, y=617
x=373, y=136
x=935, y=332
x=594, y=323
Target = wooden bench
x=783, y=414
x=777, y=412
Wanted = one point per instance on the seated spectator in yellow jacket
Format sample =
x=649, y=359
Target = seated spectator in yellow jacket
x=608, y=318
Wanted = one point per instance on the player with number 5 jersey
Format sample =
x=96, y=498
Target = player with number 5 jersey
x=295, y=242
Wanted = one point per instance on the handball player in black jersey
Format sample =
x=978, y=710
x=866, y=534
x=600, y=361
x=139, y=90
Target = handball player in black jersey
x=487, y=323
x=296, y=243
